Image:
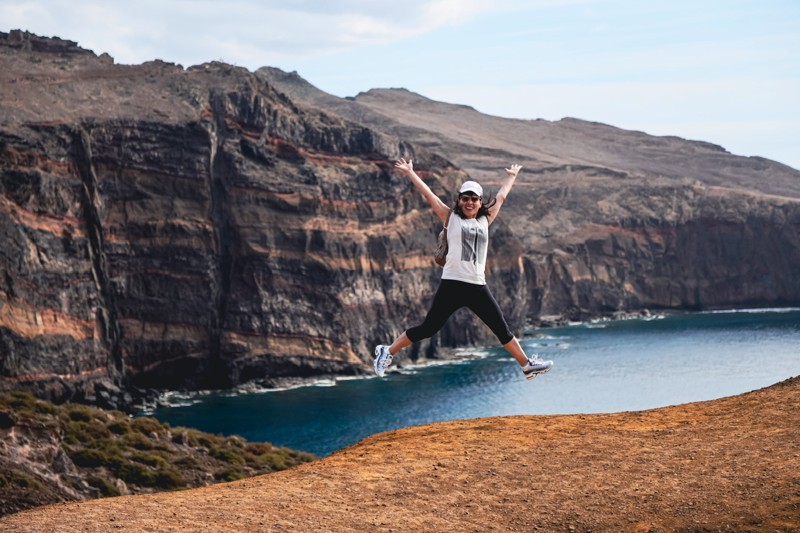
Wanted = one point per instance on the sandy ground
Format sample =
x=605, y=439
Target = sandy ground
x=727, y=465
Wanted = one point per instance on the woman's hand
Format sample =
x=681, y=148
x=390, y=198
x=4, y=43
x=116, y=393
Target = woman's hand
x=405, y=166
x=499, y=200
x=514, y=170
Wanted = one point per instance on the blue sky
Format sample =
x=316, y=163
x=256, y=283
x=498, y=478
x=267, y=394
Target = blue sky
x=726, y=72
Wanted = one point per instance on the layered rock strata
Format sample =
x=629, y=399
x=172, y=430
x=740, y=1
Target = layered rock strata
x=169, y=228
x=200, y=233
x=603, y=219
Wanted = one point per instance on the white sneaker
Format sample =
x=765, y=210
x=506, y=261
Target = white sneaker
x=382, y=359
x=536, y=366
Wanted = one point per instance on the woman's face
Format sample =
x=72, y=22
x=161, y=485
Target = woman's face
x=469, y=203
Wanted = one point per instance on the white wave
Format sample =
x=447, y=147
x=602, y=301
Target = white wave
x=754, y=310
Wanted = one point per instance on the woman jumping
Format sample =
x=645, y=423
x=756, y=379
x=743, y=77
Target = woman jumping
x=463, y=281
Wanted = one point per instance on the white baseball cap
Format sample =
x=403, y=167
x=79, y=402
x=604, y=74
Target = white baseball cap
x=471, y=186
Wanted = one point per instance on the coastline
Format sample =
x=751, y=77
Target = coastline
x=447, y=356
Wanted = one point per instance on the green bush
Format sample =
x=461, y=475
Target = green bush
x=19, y=401
x=119, y=427
x=79, y=413
x=85, y=431
x=259, y=448
x=89, y=458
x=20, y=480
x=105, y=487
x=138, y=441
x=195, y=438
x=227, y=454
x=136, y=473
x=187, y=461
x=147, y=425
x=45, y=408
x=229, y=474
x=149, y=459
x=168, y=479
x=274, y=461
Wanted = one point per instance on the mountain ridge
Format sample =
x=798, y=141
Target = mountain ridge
x=405, y=107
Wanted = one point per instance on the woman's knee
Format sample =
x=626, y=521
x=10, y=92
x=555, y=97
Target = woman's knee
x=420, y=332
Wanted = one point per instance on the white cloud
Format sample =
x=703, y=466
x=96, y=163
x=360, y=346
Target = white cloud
x=250, y=33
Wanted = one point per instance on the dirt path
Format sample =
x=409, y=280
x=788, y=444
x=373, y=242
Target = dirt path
x=728, y=465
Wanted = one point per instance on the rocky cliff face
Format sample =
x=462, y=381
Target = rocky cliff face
x=190, y=228
x=604, y=219
x=201, y=232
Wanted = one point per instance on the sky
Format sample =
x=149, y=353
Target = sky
x=721, y=71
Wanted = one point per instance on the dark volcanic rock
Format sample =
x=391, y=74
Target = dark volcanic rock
x=194, y=228
x=175, y=228
x=604, y=219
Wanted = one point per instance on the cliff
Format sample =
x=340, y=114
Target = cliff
x=727, y=465
x=167, y=227
x=606, y=219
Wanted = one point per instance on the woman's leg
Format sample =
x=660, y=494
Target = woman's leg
x=447, y=300
x=486, y=308
x=399, y=343
x=515, y=349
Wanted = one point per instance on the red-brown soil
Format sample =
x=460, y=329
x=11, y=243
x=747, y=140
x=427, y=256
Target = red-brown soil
x=726, y=465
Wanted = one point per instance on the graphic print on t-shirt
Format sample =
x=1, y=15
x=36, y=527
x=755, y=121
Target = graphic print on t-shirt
x=473, y=242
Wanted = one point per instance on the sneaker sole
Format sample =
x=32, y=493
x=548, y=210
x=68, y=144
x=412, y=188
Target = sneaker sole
x=533, y=375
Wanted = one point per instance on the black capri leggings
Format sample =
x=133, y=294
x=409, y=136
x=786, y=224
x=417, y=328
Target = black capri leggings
x=453, y=295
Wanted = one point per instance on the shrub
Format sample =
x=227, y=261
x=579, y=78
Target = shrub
x=259, y=448
x=138, y=441
x=19, y=401
x=207, y=441
x=229, y=474
x=88, y=458
x=85, y=432
x=136, y=473
x=20, y=480
x=148, y=425
x=187, y=461
x=79, y=413
x=149, y=459
x=227, y=454
x=119, y=427
x=45, y=408
x=274, y=461
x=105, y=487
x=168, y=479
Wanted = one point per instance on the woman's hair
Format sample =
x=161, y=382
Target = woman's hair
x=483, y=211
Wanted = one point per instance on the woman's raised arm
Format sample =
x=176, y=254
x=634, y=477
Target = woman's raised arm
x=511, y=177
x=440, y=208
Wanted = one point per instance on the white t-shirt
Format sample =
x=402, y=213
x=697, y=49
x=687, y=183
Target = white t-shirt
x=467, y=244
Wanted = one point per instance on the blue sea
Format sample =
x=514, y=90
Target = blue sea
x=600, y=367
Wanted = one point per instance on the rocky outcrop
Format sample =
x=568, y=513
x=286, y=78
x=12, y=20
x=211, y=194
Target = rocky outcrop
x=52, y=454
x=173, y=228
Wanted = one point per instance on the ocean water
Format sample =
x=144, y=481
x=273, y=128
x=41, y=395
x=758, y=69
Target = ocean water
x=602, y=367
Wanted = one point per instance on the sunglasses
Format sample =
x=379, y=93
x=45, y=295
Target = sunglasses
x=468, y=197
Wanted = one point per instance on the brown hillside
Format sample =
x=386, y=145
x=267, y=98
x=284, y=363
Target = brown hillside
x=726, y=465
